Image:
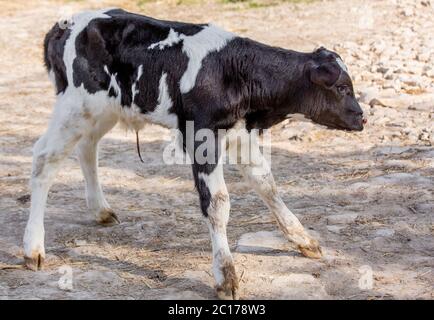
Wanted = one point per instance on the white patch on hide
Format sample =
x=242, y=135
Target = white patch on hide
x=135, y=91
x=113, y=83
x=173, y=38
x=80, y=22
x=161, y=114
x=197, y=47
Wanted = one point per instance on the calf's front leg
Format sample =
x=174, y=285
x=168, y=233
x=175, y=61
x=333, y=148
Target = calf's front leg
x=215, y=205
x=258, y=174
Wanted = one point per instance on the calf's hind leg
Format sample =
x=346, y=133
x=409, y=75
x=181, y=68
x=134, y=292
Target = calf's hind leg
x=87, y=150
x=64, y=131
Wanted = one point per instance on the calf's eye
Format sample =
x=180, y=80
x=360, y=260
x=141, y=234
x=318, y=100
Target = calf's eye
x=342, y=89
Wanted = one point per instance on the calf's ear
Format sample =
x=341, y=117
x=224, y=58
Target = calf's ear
x=325, y=74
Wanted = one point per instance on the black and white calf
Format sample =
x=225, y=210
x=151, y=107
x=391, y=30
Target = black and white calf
x=111, y=65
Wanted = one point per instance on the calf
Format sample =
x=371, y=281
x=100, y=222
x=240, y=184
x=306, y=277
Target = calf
x=111, y=65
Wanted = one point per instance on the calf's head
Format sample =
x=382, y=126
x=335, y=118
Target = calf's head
x=330, y=94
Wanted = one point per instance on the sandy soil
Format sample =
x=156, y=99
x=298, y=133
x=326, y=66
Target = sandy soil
x=367, y=196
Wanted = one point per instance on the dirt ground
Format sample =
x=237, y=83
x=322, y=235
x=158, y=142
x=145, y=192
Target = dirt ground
x=368, y=196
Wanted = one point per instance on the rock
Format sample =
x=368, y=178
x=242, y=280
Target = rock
x=415, y=81
x=423, y=56
x=407, y=33
x=399, y=70
x=425, y=137
x=402, y=101
x=389, y=52
x=385, y=232
x=364, y=48
x=389, y=75
x=407, y=55
x=346, y=218
x=80, y=243
x=378, y=46
x=397, y=85
x=392, y=84
x=411, y=133
x=429, y=73
x=382, y=69
x=368, y=94
x=407, y=12
x=414, y=70
x=262, y=241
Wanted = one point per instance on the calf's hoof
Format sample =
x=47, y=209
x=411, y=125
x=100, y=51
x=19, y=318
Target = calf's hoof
x=229, y=293
x=228, y=290
x=312, y=250
x=107, y=217
x=34, y=263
